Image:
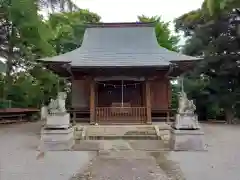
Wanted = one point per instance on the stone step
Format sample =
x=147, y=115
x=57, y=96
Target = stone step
x=119, y=134
x=130, y=137
x=121, y=145
x=118, y=131
x=100, y=132
x=126, y=137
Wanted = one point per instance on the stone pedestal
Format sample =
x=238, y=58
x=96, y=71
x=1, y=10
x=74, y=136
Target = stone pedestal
x=57, y=134
x=186, y=122
x=187, y=140
x=57, y=139
x=44, y=113
x=186, y=134
x=60, y=120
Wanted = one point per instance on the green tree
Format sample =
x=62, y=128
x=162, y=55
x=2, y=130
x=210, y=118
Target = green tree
x=32, y=84
x=213, y=36
x=215, y=7
x=69, y=29
x=58, y=5
x=21, y=31
x=164, y=35
x=34, y=87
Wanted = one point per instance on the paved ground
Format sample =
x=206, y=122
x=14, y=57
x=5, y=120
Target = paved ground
x=18, y=144
x=221, y=162
x=18, y=154
x=124, y=165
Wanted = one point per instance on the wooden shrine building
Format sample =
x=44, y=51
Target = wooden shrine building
x=120, y=74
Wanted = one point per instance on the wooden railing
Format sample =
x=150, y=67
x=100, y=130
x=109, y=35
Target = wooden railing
x=121, y=114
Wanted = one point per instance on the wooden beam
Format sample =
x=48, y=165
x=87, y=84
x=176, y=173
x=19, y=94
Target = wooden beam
x=148, y=101
x=169, y=96
x=119, y=78
x=74, y=114
x=92, y=101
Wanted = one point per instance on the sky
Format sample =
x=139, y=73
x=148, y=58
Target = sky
x=128, y=10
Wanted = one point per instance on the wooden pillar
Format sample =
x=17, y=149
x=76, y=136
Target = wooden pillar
x=169, y=96
x=143, y=94
x=92, y=101
x=148, y=101
x=73, y=112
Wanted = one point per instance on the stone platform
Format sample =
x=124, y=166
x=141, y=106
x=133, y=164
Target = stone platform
x=186, y=121
x=57, y=139
x=60, y=120
x=113, y=132
x=186, y=133
x=187, y=140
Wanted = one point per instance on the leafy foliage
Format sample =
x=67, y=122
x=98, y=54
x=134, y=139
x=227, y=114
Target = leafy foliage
x=213, y=34
x=164, y=35
x=58, y=5
x=68, y=29
x=21, y=31
x=25, y=37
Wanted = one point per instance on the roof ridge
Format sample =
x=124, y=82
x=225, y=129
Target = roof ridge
x=120, y=24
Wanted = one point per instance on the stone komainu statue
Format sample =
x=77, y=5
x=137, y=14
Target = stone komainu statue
x=185, y=106
x=58, y=105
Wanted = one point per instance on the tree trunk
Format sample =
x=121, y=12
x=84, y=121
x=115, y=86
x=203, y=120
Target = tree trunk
x=229, y=115
x=62, y=5
x=238, y=31
x=8, y=78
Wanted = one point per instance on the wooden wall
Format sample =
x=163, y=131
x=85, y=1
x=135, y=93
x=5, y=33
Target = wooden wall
x=160, y=93
x=80, y=93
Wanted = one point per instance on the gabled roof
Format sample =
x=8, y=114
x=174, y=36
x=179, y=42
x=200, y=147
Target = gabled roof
x=120, y=45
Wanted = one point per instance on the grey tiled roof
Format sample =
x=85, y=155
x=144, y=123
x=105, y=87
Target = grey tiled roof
x=120, y=46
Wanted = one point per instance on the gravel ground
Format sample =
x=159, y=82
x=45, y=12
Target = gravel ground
x=220, y=162
x=124, y=165
x=18, y=144
x=18, y=154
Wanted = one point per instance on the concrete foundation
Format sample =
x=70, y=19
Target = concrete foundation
x=187, y=140
x=57, y=139
x=61, y=120
x=186, y=121
x=57, y=134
